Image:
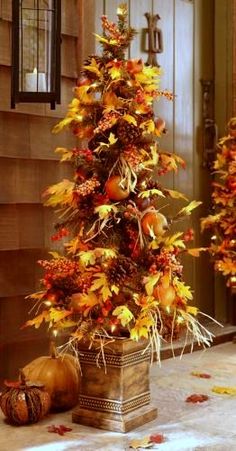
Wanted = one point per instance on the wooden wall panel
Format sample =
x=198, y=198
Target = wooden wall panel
x=20, y=273
x=23, y=181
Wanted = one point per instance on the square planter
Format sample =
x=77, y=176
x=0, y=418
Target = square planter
x=117, y=399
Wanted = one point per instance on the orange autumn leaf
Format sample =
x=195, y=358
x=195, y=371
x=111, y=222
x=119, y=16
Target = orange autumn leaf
x=110, y=100
x=37, y=321
x=195, y=252
x=200, y=375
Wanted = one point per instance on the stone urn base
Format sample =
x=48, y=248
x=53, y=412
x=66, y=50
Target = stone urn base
x=117, y=397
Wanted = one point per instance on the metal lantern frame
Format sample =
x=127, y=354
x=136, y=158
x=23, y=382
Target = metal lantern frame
x=18, y=94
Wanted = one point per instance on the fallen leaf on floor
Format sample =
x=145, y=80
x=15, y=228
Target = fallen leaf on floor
x=157, y=438
x=224, y=390
x=195, y=398
x=61, y=429
x=141, y=443
x=201, y=375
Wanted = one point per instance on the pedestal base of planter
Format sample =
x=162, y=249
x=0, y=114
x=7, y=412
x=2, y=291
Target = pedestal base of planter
x=115, y=423
x=116, y=397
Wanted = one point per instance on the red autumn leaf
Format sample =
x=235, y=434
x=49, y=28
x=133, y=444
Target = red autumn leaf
x=201, y=375
x=157, y=438
x=195, y=398
x=61, y=429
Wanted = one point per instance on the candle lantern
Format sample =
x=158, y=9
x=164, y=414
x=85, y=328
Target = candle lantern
x=36, y=40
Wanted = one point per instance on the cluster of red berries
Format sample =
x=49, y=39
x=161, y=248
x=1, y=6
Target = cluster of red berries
x=86, y=153
x=62, y=233
x=139, y=98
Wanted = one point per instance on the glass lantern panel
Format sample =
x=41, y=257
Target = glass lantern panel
x=35, y=37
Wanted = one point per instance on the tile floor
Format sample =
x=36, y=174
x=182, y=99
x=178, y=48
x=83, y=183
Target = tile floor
x=209, y=426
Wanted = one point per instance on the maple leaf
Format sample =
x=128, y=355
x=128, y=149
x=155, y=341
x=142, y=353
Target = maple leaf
x=37, y=321
x=173, y=241
x=148, y=126
x=55, y=255
x=115, y=72
x=195, y=252
x=182, y=289
x=74, y=245
x=62, y=124
x=154, y=157
x=210, y=221
x=105, y=210
x=157, y=438
x=175, y=194
x=151, y=192
x=130, y=119
x=192, y=310
x=110, y=101
x=66, y=154
x=140, y=443
x=195, y=398
x=101, y=283
x=123, y=314
x=224, y=390
x=200, y=375
x=94, y=67
x=186, y=211
x=150, y=283
x=60, y=194
x=84, y=96
x=87, y=258
x=142, y=327
x=56, y=315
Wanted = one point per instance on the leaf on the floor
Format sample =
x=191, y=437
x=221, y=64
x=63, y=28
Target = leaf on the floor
x=195, y=398
x=141, y=443
x=201, y=375
x=157, y=438
x=224, y=390
x=61, y=429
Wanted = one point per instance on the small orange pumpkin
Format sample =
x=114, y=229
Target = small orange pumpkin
x=155, y=221
x=60, y=376
x=24, y=402
x=114, y=190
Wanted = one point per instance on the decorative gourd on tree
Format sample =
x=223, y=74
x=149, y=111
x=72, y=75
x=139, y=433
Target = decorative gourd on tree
x=60, y=375
x=222, y=221
x=24, y=402
x=112, y=278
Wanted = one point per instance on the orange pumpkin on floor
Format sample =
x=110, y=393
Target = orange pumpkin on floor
x=60, y=376
x=23, y=402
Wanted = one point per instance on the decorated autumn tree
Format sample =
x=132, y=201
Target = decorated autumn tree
x=120, y=273
x=222, y=221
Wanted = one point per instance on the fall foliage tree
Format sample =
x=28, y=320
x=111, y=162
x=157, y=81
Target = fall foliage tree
x=121, y=272
x=222, y=221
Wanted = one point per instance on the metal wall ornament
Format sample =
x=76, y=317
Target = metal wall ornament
x=36, y=54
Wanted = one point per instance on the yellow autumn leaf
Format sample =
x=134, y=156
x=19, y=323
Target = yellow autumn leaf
x=99, y=282
x=105, y=210
x=66, y=154
x=56, y=315
x=37, y=321
x=186, y=211
x=130, y=119
x=192, y=310
x=55, y=255
x=154, y=157
x=105, y=252
x=151, y=281
x=123, y=314
x=87, y=258
x=115, y=72
x=62, y=124
x=141, y=328
x=175, y=194
x=148, y=126
x=60, y=194
x=93, y=67
x=174, y=241
x=83, y=95
x=224, y=390
x=182, y=289
x=195, y=252
x=75, y=245
x=141, y=443
x=151, y=192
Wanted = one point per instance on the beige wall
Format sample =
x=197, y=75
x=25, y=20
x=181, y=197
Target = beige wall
x=27, y=166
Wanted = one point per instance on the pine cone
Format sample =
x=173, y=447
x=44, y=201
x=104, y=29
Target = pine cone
x=120, y=270
x=127, y=133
